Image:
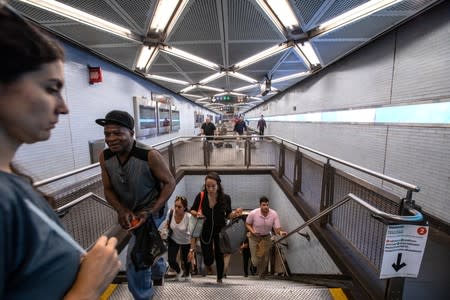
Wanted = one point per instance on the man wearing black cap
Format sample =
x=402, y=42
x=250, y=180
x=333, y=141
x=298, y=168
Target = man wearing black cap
x=137, y=182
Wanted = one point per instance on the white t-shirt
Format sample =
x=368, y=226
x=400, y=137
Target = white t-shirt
x=180, y=232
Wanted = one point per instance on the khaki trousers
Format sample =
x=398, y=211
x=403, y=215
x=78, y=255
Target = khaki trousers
x=260, y=252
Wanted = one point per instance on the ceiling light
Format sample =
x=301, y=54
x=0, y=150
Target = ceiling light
x=189, y=88
x=247, y=87
x=257, y=99
x=308, y=53
x=353, y=15
x=289, y=77
x=284, y=12
x=242, y=77
x=164, y=10
x=192, y=96
x=237, y=94
x=144, y=56
x=189, y=57
x=212, y=78
x=163, y=78
x=268, y=11
x=177, y=14
x=82, y=17
x=263, y=55
x=210, y=88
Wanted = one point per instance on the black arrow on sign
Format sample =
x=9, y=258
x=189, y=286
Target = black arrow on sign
x=397, y=266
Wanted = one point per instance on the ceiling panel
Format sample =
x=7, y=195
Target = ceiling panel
x=224, y=32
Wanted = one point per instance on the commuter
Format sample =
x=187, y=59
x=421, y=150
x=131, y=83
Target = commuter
x=137, y=184
x=260, y=223
x=38, y=258
x=261, y=125
x=179, y=237
x=240, y=126
x=209, y=130
x=216, y=207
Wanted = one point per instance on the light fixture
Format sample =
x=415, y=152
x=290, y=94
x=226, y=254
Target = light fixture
x=284, y=12
x=247, y=87
x=268, y=11
x=144, y=57
x=164, y=10
x=242, y=77
x=212, y=78
x=353, y=15
x=82, y=17
x=192, y=96
x=289, y=77
x=189, y=57
x=237, y=94
x=210, y=88
x=308, y=51
x=189, y=88
x=175, y=17
x=263, y=55
x=167, y=79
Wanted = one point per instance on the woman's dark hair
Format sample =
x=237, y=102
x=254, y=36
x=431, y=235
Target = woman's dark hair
x=23, y=47
x=183, y=201
x=215, y=176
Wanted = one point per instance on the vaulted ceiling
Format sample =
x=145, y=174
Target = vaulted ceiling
x=220, y=53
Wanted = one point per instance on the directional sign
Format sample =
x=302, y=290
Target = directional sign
x=403, y=250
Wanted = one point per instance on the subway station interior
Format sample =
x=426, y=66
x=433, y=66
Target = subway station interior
x=356, y=98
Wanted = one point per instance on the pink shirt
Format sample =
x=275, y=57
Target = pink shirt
x=263, y=225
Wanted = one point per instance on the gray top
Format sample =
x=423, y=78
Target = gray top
x=132, y=181
x=35, y=262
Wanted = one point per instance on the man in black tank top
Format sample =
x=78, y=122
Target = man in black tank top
x=137, y=183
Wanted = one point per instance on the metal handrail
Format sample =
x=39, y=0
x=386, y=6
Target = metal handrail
x=408, y=186
x=415, y=217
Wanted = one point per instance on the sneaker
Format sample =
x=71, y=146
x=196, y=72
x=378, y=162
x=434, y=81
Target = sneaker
x=178, y=276
x=188, y=278
x=158, y=282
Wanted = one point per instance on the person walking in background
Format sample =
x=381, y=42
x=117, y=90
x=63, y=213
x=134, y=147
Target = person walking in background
x=137, y=183
x=216, y=208
x=260, y=223
x=179, y=237
x=240, y=126
x=209, y=130
x=261, y=125
x=38, y=258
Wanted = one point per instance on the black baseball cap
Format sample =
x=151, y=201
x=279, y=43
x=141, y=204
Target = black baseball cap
x=117, y=117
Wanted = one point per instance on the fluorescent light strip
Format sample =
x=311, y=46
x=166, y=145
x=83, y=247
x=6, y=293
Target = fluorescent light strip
x=308, y=51
x=355, y=14
x=284, y=12
x=267, y=10
x=289, y=77
x=242, y=77
x=80, y=16
x=163, y=12
x=174, y=20
x=237, y=94
x=212, y=78
x=144, y=56
x=247, y=87
x=163, y=78
x=189, y=57
x=262, y=55
x=192, y=96
x=189, y=88
x=210, y=88
x=257, y=99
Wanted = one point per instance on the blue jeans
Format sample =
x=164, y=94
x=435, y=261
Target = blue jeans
x=140, y=282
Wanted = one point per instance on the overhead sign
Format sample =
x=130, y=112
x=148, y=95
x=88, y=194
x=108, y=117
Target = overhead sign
x=403, y=250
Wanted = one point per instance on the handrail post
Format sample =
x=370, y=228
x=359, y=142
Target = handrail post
x=171, y=159
x=248, y=152
x=282, y=160
x=324, y=201
x=205, y=153
x=297, y=186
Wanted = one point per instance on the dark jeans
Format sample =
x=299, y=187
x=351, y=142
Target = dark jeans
x=172, y=252
x=211, y=251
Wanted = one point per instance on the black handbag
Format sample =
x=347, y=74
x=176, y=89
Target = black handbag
x=148, y=245
x=232, y=235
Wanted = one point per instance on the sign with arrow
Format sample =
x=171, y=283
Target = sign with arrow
x=403, y=250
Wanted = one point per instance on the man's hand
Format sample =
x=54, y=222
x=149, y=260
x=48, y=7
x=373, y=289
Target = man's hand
x=125, y=216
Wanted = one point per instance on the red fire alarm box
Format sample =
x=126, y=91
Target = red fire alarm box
x=95, y=75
